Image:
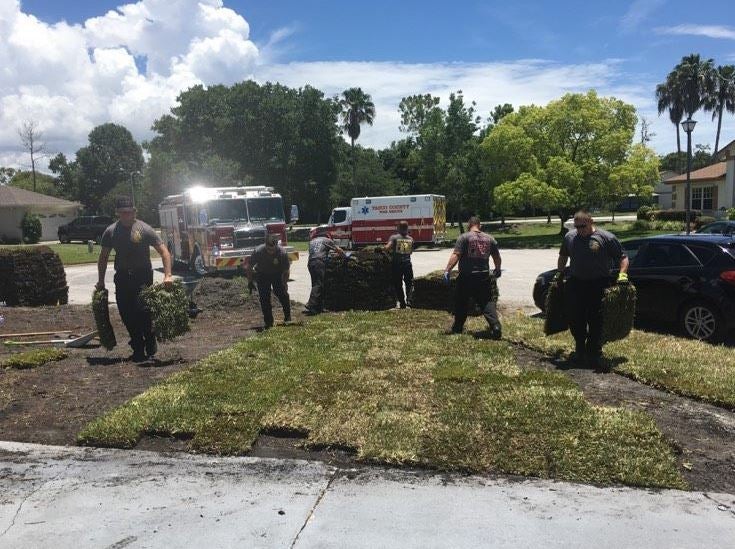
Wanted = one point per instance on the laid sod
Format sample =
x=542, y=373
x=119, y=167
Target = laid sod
x=33, y=359
x=682, y=366
x=76, y=253
x=397, y=390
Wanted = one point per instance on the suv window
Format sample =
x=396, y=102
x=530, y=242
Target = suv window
x=102, y=220
x=703, y=253
x=712, y=228
x=664, y=254
x=83, y=221
x=631, y=248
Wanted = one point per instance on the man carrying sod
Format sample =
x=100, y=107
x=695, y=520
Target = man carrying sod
x=473, y=251
x=271, y=267
x=401, y=246
x=319, y=248
x=593, y=253
x=131, y=239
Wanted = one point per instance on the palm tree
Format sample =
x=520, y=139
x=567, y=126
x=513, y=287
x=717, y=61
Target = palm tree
x=696, y=82
x=723, y=98
x=669, y=99
x=357, y=108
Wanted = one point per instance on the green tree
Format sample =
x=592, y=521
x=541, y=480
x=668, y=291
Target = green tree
x=637, y=175
x=44, y=184
x=673, y=161
x=722, y=98
x=669, y=98
x=696, y=81
x=357, y=109
x=415, y=111
x=372, y=179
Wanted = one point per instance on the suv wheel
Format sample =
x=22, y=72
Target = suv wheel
x=700, y=320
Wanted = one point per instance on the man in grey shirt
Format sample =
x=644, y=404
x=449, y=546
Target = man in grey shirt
x=131, y=239
x=593, y=253
x=319, y=248
x=271, y=266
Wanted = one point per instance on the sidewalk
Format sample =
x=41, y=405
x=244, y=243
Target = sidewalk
x=83, y=497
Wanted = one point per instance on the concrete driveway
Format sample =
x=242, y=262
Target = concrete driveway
x=520, y=269
x=94, y=498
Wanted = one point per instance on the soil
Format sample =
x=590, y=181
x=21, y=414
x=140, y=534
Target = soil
x=51, y=404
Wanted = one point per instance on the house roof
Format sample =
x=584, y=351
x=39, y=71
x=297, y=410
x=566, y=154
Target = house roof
x=728, y=151
x=712, y=172
x=15, y=196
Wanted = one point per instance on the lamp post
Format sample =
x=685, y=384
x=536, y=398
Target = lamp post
x=132, y=185
x=688, y=126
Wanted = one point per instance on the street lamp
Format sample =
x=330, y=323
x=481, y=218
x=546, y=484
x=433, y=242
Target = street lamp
x=132, y=186
x=688, y=126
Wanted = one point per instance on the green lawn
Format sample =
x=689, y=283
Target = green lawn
x=683, y=366
x=395, y=389
x=76, y=254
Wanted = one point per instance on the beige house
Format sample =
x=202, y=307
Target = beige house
x=713, y=187
x=52, y=211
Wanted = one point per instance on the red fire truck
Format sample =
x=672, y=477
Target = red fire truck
x=212, y=229
x=371, y=220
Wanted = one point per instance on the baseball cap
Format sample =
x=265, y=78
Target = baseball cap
x=124, y=203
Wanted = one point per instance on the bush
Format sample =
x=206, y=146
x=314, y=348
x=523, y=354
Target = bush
x=641, y=225
x=731, y=214
x=675, y=226
x=32, y=359
x=675, y=215
x=30, y=225
x=32, y=276
x=645, y=213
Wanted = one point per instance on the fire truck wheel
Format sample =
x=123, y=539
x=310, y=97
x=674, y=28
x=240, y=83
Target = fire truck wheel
x=197, y=264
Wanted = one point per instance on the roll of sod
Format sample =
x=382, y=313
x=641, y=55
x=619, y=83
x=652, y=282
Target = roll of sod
x=169, y=308
x=101, y=310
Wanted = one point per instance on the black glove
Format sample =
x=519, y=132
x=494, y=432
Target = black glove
x=497, y=272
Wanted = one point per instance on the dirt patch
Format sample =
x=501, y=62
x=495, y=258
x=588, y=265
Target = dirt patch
x=703, y=435
x=50, y=404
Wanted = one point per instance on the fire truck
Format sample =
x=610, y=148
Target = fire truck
x=216, y=229
x=372, y=220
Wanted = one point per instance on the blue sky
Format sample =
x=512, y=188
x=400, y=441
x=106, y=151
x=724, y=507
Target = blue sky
x=527, y=51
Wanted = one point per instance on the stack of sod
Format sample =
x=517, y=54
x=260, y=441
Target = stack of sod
x=618, y=312
x=556, y=314
x=169, y=308
x=362, y=282
x=32, y=276
x=101, y=310
x=430, y=292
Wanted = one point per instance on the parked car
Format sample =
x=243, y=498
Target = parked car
x=718, y=227
x=89, y=227
x=689, y=280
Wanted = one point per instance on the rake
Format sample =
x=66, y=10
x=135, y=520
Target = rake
x=73, y=342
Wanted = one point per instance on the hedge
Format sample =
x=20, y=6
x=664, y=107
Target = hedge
x=31, y=277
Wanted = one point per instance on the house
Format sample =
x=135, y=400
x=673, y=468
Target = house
x=662, y=192
x=713, y=187
x=15, y=202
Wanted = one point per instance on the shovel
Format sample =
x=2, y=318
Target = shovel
x=77, y=342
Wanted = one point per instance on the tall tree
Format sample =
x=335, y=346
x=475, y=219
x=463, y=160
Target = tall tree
x=357, y=109
x=695, y=78
x=723, y=97
x=31, y=139
x=415, y=111
x=669, y=98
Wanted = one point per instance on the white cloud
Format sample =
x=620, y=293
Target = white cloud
x=72, y=77
x=638, y=12
x=710, y=31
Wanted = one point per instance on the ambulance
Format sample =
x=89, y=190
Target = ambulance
x=216, y=229
x=372, y=220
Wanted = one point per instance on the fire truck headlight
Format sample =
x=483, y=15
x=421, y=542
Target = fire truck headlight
x=226, y=242
x=215, y=251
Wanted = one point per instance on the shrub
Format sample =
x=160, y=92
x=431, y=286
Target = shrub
x=731, y=214
x=32, y=276
x=641, y=225
x=675, y=215
x=32, y=359
x=645, y=213
x=675, y=226
x=30, y=225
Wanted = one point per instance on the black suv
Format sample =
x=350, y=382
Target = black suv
x=84, y=228
x=689, y=280
x=718, y=227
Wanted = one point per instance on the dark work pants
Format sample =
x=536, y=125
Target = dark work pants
x=584, y=310
x=265, y=283
x=403, y=272
x=137, y=319
x=481, y=287
x=317, y=270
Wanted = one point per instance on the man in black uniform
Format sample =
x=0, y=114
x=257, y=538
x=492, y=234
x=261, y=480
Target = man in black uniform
x=319, y=248
x=593, y=253
x=131, y=239
x=473, y=251
x=271, y=266
x=401, y=246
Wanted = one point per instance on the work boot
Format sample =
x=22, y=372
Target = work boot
x=151, y=347
x=138, y=357
x=496, y=333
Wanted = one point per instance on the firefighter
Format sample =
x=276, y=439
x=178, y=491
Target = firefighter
x=131, y=239
x=593, y=252
x=472, y=251
x=401, y=246
x=271, y=268
x=319, y=249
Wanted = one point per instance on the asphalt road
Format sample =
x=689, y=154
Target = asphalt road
x=84, y=497
x=520, y=268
